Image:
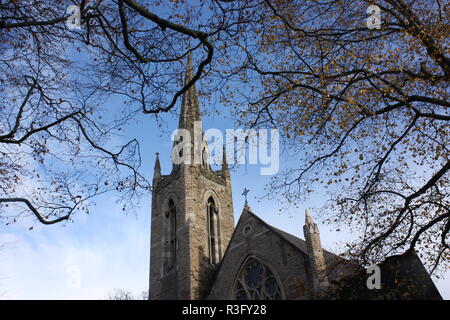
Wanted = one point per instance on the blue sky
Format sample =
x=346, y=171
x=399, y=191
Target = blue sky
x=107, y=249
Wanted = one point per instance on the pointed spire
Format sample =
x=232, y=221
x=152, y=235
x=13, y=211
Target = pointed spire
x=308, y=218
x=225, y=170
x=157, y=163
x=309, y=223
x=190, y=119
x=157, y=169
x=315, y=254
x=190, y=108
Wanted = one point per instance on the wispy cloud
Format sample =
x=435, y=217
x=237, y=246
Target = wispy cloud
x=84, y=260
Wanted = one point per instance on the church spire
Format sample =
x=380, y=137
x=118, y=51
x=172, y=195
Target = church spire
x=190, y=107
x=188, y=206
x=190, y=124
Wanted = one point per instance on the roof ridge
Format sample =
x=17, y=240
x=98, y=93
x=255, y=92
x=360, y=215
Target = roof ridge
x=283, y=234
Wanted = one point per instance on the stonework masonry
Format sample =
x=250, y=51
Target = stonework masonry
x=315, y=252
x=197, y=252
x=189, y=186
x=253, y=238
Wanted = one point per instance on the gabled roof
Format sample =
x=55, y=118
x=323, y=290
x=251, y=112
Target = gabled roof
x=295, y=241
x=300, y=244
x=331, y=259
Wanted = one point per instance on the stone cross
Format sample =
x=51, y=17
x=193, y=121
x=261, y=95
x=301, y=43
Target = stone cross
x=246, y=191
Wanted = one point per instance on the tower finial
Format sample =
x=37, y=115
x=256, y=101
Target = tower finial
x=224, y=155
x=157, y=163
x=308, y=218
x=225, y=169
x=157, y=170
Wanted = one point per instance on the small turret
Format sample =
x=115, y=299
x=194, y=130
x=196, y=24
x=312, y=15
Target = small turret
x=315, y=253
x=157, y=170
x=309, y=222
x=225, y=169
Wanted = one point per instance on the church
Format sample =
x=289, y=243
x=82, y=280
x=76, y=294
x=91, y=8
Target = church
x=198, y=252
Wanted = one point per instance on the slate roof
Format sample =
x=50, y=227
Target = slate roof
x=337, y=266
x=295, y=241
x=404, y=268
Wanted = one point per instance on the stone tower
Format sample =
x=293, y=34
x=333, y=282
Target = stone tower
x=192, y=214
x=315, y=253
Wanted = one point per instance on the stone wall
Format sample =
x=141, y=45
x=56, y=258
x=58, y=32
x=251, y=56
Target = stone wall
x=189, y=187
x=315, y=252
x=253, y=238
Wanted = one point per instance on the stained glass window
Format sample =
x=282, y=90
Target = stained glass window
x=256, y=282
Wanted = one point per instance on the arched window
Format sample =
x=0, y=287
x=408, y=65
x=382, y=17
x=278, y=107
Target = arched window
x=213, y=231
x=170, y=250
x=256, y=282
